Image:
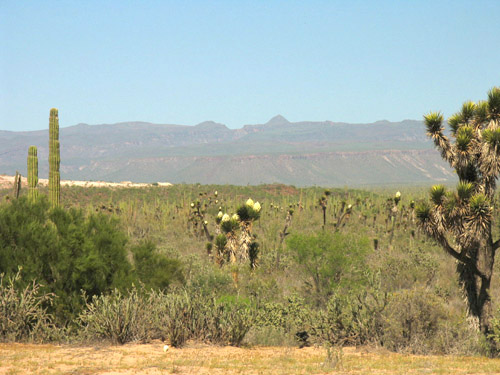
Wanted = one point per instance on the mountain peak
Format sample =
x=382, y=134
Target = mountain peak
x=210, y=125
x=278, y=120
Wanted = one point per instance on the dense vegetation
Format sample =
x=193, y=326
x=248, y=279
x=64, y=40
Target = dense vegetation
x=133, y=264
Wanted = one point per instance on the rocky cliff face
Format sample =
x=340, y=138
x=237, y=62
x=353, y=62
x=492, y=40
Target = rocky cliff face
x=301, y=153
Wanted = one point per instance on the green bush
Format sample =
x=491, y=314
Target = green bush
x=65, y=251
x=155, y=270
x=413, y=320
x=330, y=260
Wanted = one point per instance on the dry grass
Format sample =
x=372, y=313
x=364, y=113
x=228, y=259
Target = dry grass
x=199, y=359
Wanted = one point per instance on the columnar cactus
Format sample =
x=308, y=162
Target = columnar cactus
x=32, y=174
x=54, y=159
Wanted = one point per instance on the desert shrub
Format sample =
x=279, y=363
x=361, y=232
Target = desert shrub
x=155, y=270
x=293, y=318
x=116, y=317
x=235, y=317
x=494, y=335
x=413, y=320
x=351, y=318
x=142, y=315
x=205, y=279
x=172, y=316
x=23, y=315
x=65, y=251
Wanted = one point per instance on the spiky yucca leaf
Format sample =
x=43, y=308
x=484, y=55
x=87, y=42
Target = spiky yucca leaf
x=247, y=213
x=480, y=214
x=230, y=225
x=253, y=253
x=423, y=212
x=220, y=242
x=455, y=121
x=494, y=103
x=481, y=115
x=465, y=134
x=437, y=194
x=450, y=202
x=468, y=111
x=492, y=136
x=433, y=122
x=479, y=204
x=464, y=190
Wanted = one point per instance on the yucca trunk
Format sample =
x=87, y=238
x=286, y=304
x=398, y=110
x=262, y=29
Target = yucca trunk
x=475, y=279
x=244, y=241
x=231, y=248
x=17, y=185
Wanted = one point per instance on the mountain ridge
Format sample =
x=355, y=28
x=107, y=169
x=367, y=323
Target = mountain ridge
x=298, y=153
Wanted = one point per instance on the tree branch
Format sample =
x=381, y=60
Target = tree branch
x=496, y=245
x=459, y=256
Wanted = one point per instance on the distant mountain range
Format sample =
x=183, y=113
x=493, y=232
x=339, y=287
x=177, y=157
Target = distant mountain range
x=297, y=153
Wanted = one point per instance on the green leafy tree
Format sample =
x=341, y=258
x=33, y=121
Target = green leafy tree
x=461, y=220
x=329, y=260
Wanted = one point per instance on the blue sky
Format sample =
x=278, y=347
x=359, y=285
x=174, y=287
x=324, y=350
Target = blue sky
x=242, y=62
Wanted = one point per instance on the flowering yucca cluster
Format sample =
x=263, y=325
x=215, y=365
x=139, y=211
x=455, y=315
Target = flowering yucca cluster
x=250, y=211
x=397, y=198
x=228, y=223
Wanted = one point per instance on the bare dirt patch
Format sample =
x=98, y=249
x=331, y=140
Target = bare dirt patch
x=278, y=189
x=202, y=359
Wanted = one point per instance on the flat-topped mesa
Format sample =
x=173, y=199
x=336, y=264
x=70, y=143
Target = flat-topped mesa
x=32, y=174
x=54, y=159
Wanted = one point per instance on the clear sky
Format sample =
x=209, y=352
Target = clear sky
x=242, y=62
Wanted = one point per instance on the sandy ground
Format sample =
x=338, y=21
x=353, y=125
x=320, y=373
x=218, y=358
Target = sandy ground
x=203, y=359
x=8, y=182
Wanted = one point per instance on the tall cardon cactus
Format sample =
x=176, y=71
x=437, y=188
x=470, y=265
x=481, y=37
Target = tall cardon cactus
x=32, y=174
x=54, y=159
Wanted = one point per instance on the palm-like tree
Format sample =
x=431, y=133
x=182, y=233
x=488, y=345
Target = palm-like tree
x=461, y=221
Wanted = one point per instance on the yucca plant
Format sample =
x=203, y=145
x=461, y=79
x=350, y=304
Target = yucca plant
x=461, y=221
x=247, y=213
x=323, y=203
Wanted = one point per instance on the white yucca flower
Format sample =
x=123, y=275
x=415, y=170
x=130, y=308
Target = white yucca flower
x=398, y=195
x=249, y=202
x=205, y=222
x=235, y=217
x=215, y=193
x=256, y=207
x=225, y=217
x=219, y=215
x=192, y=204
